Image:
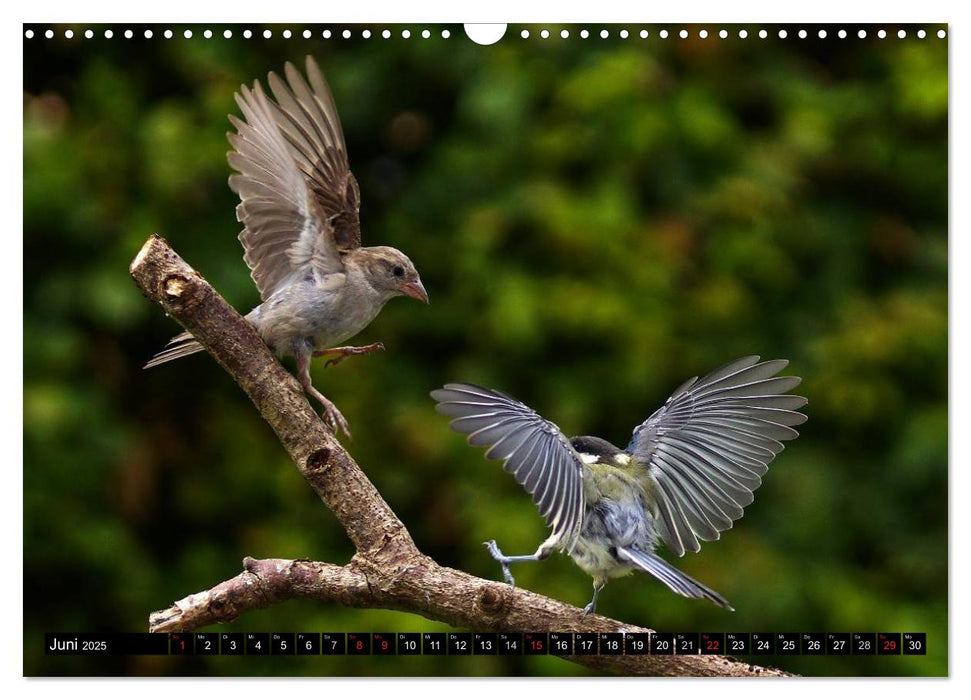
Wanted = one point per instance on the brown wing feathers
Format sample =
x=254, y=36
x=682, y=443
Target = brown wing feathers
x=298, y=199
x=310, y=124
x=273, y=195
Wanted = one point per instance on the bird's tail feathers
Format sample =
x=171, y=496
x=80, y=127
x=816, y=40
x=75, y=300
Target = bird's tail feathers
x=677, y=581
x=181, y=345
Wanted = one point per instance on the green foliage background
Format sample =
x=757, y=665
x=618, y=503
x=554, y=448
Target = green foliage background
x=595, y=221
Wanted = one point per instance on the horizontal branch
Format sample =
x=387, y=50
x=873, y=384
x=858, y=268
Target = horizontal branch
x=387, y=571
x=462, y=600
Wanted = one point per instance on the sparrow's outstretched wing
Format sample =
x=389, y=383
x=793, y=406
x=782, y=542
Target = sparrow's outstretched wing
x=298, y=199
x=709, y=445
x=534, y=450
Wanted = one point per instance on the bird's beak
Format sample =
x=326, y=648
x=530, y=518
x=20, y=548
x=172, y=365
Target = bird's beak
x=416, y=290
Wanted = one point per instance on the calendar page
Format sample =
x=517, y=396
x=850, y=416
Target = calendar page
x=387, y=349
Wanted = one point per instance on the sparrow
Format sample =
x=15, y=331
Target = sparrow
x=299, y=207
x=687, y=474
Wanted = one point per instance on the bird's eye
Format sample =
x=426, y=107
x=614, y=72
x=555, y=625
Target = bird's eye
x=398, y=271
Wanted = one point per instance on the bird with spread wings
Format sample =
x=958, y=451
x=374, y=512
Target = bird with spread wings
x=687, y=474
x=299, y=207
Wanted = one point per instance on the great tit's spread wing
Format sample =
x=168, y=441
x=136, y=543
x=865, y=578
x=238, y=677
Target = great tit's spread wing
x=536, y=453
x=709, y=445
x=298, y=199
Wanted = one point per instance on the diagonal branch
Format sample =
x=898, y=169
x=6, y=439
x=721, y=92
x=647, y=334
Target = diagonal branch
x=388, y=571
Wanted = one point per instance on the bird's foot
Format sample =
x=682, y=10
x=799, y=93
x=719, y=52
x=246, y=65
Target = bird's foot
x=502, y=559
x=591, y=607
x=341, y=354
x=333, y=418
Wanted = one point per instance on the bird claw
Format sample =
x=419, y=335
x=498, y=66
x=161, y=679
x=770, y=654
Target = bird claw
x=335, y=420
x=502, y=559
x=342, y=354
x=589, y=609
x=331, y=416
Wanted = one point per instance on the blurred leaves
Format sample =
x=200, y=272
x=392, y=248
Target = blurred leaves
x=595, y=222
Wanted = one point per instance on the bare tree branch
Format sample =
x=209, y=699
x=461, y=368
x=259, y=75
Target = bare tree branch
x=387, y=571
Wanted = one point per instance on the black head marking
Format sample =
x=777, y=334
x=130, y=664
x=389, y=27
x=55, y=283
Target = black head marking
x=589, y=445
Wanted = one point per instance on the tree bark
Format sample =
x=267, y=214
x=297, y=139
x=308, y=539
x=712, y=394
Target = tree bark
x=387, y=571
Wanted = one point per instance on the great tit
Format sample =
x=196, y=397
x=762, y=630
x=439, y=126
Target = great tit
x=686, y=475
x=302, y=238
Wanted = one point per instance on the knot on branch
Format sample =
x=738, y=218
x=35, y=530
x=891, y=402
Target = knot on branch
x=173, y=287
x=176, y=290
x=303, y=573
x=221, y=609
x=491, y=600
x=269, y=579
x=319, y=460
